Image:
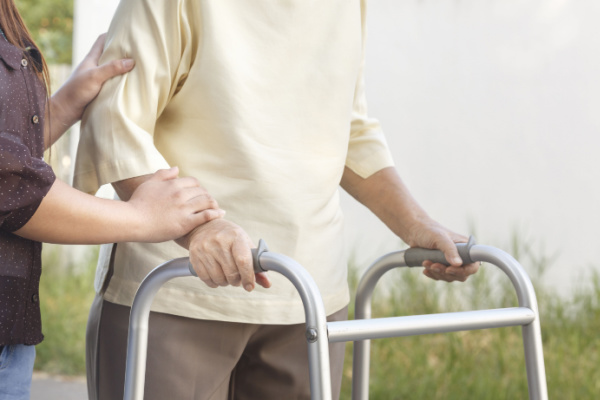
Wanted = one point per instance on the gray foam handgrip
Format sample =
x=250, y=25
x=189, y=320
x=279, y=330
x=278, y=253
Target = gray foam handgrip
x=414, y=257
x=262, y=247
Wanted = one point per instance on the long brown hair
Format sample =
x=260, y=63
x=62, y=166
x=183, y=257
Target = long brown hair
x=18, y=35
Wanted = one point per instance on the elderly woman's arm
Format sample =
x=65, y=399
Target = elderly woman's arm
x=386, y=196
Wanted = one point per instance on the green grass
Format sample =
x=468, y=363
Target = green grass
x=66, y=293
x=486, y=364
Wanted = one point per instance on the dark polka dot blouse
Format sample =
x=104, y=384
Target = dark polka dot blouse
x=24, y=180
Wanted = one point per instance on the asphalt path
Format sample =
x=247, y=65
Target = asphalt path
x=48, y=387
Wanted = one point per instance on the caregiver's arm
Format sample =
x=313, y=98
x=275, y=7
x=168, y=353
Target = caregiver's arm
x=164, y=207
x=220, y=250
x=386, y=196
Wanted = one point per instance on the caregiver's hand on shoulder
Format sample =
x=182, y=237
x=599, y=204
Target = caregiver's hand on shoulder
x=167, y=207
x=85, y=83
x=220, y=252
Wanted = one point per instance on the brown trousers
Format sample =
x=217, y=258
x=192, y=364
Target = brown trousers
x=191, y=359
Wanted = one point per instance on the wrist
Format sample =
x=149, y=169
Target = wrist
x=134, y=223
x=61, y=110
x=185, y=241
x=410, y=223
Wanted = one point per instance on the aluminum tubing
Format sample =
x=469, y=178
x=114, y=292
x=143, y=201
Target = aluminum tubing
x=362, y=310
x=532, y=333
x=137, y=340
x=379, y=328
x=316, y=320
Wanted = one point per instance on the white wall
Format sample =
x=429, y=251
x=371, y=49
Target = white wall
x=491, y=111
x=91, y=19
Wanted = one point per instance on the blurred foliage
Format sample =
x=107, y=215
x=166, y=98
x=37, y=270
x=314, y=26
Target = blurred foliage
x=66, y=293
x=51, y=24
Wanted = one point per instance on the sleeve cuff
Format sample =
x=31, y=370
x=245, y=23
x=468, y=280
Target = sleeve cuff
x=116, y=170
x=18, y=218
x=371, y=164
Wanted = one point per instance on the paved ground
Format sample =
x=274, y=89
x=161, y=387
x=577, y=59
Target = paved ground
x=46, y=387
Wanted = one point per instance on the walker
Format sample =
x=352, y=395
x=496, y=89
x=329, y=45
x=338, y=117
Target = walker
x=319, y=332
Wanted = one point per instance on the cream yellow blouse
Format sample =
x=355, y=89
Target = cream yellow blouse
x=263, y=101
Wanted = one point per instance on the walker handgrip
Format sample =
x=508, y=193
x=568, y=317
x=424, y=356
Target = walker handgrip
x=414, y=257
x=262, y=247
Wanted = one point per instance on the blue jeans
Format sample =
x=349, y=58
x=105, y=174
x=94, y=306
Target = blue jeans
x=16, y=368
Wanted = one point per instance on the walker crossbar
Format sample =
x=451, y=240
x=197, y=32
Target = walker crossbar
x=319, y=332
x=360, y=329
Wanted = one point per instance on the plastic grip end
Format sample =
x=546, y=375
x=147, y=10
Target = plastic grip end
x=262, y=247
x=191, y=267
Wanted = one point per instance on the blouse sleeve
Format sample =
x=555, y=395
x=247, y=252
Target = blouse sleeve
x=24, y=181
x=367, y=150
x=117, y=136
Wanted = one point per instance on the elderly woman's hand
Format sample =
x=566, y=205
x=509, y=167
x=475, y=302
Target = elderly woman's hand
x=429, y=234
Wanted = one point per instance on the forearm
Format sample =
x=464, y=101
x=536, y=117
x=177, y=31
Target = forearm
x=388, y=198
x=68, y=216
x=59, y=118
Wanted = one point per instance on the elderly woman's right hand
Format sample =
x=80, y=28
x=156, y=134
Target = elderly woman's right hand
x=220, y=252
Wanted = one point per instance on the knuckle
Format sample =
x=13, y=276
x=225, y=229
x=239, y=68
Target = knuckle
x=204, y=217
x=242, y=259
x=179, y=196
x=221, y=236
x=210, y=284
x=222, y=282
x=116, y=66
x=234, y=278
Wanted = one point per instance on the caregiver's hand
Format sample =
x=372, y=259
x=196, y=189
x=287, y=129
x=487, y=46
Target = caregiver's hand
x=69, y=102
x=168, y=207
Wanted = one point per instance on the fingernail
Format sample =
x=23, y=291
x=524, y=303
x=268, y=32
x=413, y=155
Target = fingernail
x=128, y=63
x=249, y=287
x=456, y=260
x=451, y=272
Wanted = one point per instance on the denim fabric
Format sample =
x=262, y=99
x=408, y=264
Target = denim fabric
x=16, y=368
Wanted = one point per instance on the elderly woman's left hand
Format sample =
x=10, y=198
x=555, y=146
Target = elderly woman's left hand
x=431, y=235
